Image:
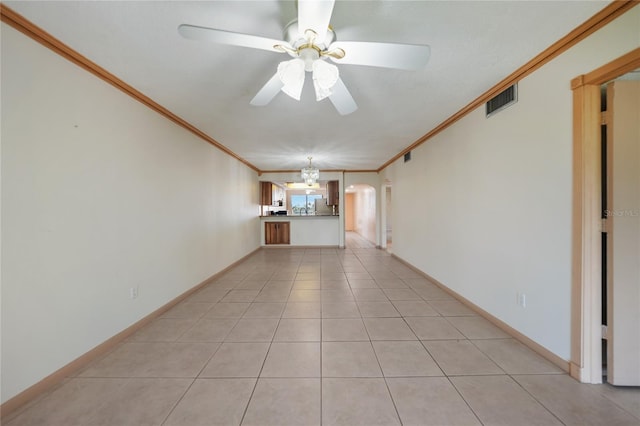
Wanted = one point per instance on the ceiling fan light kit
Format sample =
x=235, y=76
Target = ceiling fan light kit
x=310, y=40
x=291, y=74
x=325, y=77
x=308, y=58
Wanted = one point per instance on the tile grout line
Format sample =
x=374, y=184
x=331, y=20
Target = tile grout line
x=258, y=377
x=618, y=405
x=463, y=398
x=321, y=348
x=255, y=385
x=535, y=399
x=164, y=421
x=384, y=377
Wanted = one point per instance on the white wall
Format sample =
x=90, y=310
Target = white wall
x=100, y=194
x=485, y=206
x=368, y=178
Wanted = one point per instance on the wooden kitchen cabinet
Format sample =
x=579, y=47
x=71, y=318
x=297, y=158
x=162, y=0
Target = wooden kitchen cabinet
x=266, y=193
x=276, y=233
x=333, y=193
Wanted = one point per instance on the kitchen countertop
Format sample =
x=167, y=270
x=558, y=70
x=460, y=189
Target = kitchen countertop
x=297, y=216
x=310, y=231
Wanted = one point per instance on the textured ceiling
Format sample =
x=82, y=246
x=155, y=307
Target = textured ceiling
x=474, y=45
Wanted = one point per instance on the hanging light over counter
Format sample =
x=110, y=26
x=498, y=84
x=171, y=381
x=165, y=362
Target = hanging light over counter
x=310, y=174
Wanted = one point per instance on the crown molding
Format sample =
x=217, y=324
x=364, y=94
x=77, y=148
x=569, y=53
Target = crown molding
x=593, y=24
x=20, y=23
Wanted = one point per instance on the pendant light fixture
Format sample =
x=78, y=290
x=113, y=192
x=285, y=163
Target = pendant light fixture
x=310, y=174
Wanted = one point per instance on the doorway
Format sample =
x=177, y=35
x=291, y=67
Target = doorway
x=589, y=272
x=388, y=225
x=360, y=216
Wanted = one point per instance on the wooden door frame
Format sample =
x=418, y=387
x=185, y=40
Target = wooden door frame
x=586, y=334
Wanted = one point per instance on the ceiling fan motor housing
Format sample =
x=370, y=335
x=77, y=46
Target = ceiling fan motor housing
x=296, y=38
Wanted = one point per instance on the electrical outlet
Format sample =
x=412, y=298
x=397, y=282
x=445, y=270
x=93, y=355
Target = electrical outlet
x=133, y=292
x=522, y=300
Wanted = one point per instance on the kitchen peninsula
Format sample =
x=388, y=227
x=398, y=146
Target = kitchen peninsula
x=296, y=230
x=295, y=216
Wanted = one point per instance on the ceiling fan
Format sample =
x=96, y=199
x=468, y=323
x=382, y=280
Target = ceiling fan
x=311, y=41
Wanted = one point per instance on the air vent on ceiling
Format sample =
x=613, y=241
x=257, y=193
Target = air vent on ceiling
x=502, y=100
x=407, y=156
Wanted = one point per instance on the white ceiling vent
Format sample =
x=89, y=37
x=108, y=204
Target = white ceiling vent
x=502, y=100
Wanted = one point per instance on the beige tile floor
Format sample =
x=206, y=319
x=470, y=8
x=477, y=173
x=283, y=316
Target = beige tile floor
x=325, y=336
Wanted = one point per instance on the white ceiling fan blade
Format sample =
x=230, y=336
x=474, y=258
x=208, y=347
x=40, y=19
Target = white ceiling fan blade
x=342, y=99
x=386, y=55
x=315, y=15
x=268, y=91
x=194, y=32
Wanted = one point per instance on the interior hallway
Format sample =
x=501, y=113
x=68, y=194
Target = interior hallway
x=353, y=240
x=325, y=336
